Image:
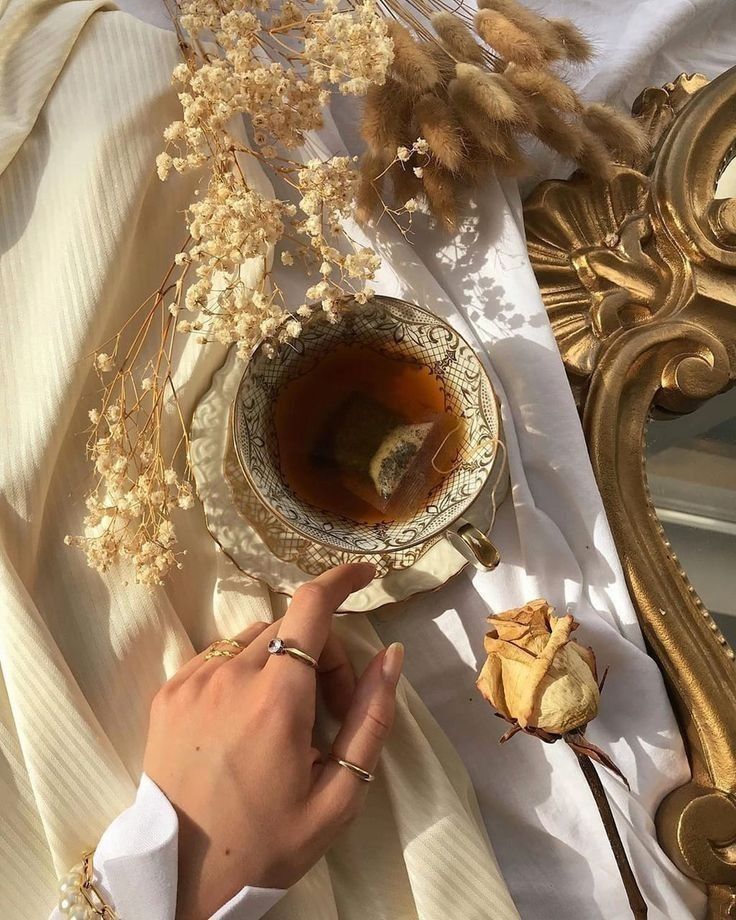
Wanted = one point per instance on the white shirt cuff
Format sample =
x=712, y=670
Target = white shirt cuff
x=136, y=862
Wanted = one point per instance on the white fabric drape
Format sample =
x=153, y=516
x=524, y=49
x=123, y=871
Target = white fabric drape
x=82, y=655
x=87, y=232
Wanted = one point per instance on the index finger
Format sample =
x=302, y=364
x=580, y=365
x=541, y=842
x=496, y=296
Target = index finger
x=306, y=623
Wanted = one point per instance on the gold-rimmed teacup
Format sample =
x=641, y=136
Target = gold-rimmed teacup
x=400, y=330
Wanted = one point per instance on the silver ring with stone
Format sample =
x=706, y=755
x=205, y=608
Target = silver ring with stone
x=279, y=647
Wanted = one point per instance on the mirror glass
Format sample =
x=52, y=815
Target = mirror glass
x=726, y=185
x=691, y=469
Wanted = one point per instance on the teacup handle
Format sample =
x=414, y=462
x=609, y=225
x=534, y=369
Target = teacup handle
x=473, y=544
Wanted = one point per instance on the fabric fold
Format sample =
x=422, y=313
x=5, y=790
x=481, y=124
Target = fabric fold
x=82, y=655
x=36, y=39
x=138, y=856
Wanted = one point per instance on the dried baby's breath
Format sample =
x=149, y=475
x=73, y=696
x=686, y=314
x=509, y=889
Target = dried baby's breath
x=276, y=65
x=443, y=112
x=277, y=68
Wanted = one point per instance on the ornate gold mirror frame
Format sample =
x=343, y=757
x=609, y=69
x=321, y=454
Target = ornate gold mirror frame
x=638, y=274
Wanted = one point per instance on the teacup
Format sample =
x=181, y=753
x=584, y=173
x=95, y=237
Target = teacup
x=400, y=330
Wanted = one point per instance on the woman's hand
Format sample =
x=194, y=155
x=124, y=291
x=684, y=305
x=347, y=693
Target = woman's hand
x=230, y=744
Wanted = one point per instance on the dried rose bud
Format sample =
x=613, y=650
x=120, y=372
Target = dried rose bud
x=545, y=684
x=536, y=676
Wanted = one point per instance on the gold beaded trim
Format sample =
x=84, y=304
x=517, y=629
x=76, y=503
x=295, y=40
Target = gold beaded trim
x=88, y=894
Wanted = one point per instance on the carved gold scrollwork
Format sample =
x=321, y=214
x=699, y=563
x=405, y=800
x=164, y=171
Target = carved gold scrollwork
x=639, y=278
x=688, y=811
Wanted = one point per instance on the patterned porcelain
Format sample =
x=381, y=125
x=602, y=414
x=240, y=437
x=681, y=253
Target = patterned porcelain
x=399, y=329
x=264, y=548
x=290, y=546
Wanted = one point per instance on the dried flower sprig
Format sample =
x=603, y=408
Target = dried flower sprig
x=473, y=86
x=275, y=65
x=538, y=678
x=136, y=483
x=443, y=110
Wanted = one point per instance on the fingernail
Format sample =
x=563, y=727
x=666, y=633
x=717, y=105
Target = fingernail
x=392, y=662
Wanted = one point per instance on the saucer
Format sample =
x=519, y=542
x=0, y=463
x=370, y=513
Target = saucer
x=265, y=548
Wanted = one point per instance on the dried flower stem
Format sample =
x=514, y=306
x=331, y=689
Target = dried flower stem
x=545, y=684
x=636, y=900
x=276, y=65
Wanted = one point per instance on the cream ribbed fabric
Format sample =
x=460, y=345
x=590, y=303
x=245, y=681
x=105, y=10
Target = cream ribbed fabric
x=87, y=231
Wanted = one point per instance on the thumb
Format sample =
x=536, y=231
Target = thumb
x=361, y=738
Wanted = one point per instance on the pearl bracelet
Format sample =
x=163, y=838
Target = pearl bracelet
x=79, y=897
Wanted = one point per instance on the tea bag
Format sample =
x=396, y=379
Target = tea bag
x=388, y=462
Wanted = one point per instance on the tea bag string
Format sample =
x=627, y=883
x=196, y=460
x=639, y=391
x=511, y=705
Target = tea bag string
x=500, y=445
x=497, y=441
x=439, y=449
x=504, y=463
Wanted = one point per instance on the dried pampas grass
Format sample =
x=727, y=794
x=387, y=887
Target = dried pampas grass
x=511, y=161
x=456, y=104
x=387, y=111
x=543, y=86
x=372, y=181
x=458, y=38
x=559, y=132
x=406, y=184
x=511, y=42
x=472, y=118
x=439, y=125
x=539, y=29
x=616, y=130
x=594, y=156
x=576, y=46
x=441, y=192
x=443, y=59
x=488, y=93
x=412, y=65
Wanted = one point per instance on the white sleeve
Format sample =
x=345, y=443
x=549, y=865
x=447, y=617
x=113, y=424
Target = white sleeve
x=136, y=864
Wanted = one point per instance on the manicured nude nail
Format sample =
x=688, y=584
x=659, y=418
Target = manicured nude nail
x=392, y=661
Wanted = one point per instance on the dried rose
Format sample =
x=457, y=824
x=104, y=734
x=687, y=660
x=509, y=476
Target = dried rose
x=535, y=674
x=544, y=683
x=540, y=680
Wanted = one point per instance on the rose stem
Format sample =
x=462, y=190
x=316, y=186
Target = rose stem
x=636, y=901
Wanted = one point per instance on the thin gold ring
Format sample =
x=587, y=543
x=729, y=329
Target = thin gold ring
x=233, y=642
x=354, y=769
x=215, y=652
x=279, y=647
x=219, y=653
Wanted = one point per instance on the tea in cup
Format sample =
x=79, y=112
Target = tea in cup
x=373, y=434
